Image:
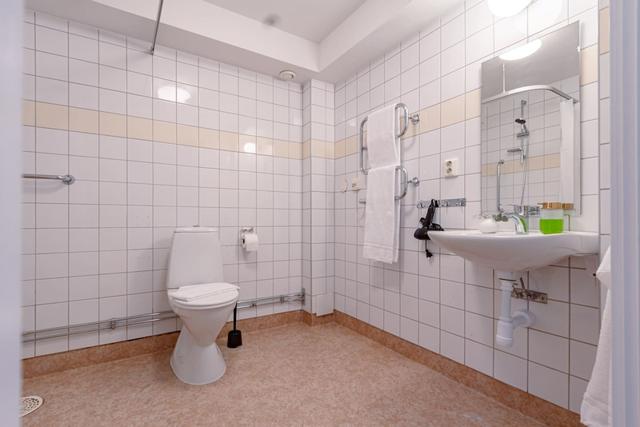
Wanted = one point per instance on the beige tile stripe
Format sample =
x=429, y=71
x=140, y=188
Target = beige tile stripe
x=56, y=116
x=447, y=113
x=548, y=161
x=61, y=117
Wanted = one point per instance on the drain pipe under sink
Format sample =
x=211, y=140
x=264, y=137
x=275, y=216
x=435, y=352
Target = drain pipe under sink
x=507, y=322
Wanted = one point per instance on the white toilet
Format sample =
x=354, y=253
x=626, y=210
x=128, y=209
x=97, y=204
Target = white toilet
x=198, y=294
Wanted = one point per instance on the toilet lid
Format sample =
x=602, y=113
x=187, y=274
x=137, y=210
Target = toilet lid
x=204, y=295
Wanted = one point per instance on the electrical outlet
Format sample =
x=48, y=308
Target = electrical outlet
x=450, y=168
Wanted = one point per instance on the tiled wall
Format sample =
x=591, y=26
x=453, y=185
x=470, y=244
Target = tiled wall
x=245, y=149
x=223, y=148
x=444, y=303
x=318, y=183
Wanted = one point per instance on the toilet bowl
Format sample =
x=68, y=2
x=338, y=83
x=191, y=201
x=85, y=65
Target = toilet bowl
x=198, y=294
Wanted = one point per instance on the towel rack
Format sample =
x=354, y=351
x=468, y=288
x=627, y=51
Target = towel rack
x=404, y=175
x=66, y=179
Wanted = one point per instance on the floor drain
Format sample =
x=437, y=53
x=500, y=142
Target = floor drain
x=30, y=404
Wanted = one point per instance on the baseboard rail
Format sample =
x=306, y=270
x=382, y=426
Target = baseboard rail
x=143, y=319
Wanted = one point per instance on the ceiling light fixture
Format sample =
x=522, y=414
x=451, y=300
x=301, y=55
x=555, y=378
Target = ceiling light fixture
x=286, y=75
x=522, y=51
x=173, y=94
x=505, y=8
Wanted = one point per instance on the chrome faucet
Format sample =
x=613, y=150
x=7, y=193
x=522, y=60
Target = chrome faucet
x=520, y=217
x=520, y=221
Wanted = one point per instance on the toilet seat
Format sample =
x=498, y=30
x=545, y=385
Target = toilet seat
x=223, y=294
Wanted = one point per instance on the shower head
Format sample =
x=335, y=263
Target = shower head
x=523, y=127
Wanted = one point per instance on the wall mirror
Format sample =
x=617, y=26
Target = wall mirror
x=530, y=124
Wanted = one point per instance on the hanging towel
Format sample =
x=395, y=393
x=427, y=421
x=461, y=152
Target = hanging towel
x=382, y=218
x=567, y=150
x=596, y=403
x=382, y=149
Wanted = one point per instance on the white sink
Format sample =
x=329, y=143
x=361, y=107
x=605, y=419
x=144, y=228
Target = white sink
x=511, y=252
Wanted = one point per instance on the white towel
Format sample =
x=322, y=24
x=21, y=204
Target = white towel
x=382, y=149
x=194, y=292
x=382, y=220
x=596, y=403
x=567, y=150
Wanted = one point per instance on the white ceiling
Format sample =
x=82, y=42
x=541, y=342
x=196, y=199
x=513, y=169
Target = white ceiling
x=322, y=39
x=310, y=19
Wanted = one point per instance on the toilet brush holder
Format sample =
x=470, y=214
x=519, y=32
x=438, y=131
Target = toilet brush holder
x=234, y=339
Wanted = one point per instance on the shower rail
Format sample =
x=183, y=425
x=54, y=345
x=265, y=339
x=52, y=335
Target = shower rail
x=143, y=319
x=530, y=88
x=66, y=179
x=157, y=27
x=404, y=175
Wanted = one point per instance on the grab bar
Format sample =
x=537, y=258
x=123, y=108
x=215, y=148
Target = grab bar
x=142, y=319
x=66, y=179
x=405, y=125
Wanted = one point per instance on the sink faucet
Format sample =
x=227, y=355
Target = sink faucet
x=520, y=221
x=519, y=216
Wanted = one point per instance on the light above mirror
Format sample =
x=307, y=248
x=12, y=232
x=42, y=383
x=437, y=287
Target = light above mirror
x=506, y=8
x=522, y=51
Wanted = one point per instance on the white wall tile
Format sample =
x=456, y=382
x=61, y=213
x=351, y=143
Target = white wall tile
x=52, y=41
x=549, y=384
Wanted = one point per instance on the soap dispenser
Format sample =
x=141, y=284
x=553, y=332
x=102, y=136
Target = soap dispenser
x=551, y=218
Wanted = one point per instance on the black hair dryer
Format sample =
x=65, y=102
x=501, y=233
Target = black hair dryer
x=427, y=224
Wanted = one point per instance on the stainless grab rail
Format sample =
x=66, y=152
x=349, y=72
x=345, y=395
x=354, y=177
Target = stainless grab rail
x=66, y=179
x=143, y=319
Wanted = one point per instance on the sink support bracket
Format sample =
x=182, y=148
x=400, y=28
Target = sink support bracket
x=520, y=292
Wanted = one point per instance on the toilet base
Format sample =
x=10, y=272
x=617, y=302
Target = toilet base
x=195, y=364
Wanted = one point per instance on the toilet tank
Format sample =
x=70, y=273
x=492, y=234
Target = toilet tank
x=195, y=257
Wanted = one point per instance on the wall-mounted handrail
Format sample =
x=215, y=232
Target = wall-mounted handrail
x=66, y=179
x=143, y=319
x=530, y=88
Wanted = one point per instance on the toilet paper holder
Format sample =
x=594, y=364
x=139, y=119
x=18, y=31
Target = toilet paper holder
x=246, y=230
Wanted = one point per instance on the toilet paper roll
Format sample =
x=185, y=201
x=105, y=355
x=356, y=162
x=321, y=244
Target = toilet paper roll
x=250, y=242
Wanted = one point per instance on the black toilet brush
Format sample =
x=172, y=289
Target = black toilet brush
x=234, y=339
